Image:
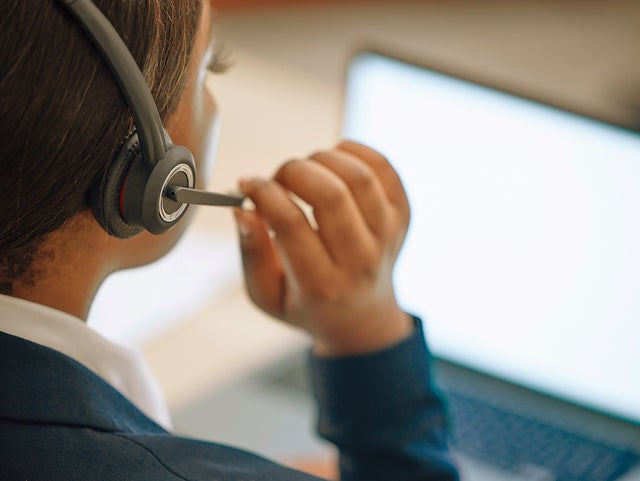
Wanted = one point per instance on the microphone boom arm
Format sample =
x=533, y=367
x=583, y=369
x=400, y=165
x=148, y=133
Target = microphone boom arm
x=186, y=195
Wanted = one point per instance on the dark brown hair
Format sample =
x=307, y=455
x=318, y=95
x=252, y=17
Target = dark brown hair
x=62, y=116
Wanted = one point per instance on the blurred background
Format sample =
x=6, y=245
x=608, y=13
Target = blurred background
x=282, y=98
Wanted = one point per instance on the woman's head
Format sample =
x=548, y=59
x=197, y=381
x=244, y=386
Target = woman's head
x=62, y=117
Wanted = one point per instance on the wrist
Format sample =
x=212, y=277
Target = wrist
x=368, y=338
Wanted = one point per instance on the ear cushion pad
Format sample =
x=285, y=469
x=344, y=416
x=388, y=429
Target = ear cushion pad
x=106, y=193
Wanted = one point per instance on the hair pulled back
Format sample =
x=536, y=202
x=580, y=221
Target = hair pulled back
x=62, y=116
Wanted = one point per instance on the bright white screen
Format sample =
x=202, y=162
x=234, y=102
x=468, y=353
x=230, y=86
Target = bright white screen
x=524, y=250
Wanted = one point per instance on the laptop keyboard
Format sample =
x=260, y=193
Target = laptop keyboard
x=530, y=449
x=523, y=445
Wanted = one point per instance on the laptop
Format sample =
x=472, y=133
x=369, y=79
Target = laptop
x=523, y=258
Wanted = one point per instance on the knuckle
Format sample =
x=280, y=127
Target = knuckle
x=363, y=178
x=363, y=151
x=336, y=195
x=320, y=155
x=286, y=170
x=380, y=158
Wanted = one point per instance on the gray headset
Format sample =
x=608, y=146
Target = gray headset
x=151, y=182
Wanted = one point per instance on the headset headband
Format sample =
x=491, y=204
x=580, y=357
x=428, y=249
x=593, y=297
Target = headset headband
x=127, y=74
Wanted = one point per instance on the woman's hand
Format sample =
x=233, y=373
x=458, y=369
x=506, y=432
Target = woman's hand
x=333, y=280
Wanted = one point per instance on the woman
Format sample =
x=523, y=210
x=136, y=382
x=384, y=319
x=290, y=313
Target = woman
x=77, y=407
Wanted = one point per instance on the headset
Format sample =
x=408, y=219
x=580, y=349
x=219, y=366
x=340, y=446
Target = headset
x=151, y=182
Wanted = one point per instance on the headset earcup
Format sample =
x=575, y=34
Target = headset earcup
x=106, y=193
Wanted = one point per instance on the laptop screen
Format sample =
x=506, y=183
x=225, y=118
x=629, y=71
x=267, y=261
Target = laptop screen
x=523, y=255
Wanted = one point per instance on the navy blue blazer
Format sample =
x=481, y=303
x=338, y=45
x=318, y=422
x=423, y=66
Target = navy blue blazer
x=60, y=421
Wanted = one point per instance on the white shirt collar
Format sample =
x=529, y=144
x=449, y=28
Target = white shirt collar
x=123, y=368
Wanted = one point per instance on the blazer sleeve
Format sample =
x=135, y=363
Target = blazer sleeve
x=383, y=414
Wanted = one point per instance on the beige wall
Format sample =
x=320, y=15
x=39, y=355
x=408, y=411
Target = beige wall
x=283, y=96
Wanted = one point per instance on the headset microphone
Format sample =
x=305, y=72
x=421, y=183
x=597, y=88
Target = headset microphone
x=151, y=182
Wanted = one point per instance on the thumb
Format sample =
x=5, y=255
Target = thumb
x=263, y=272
